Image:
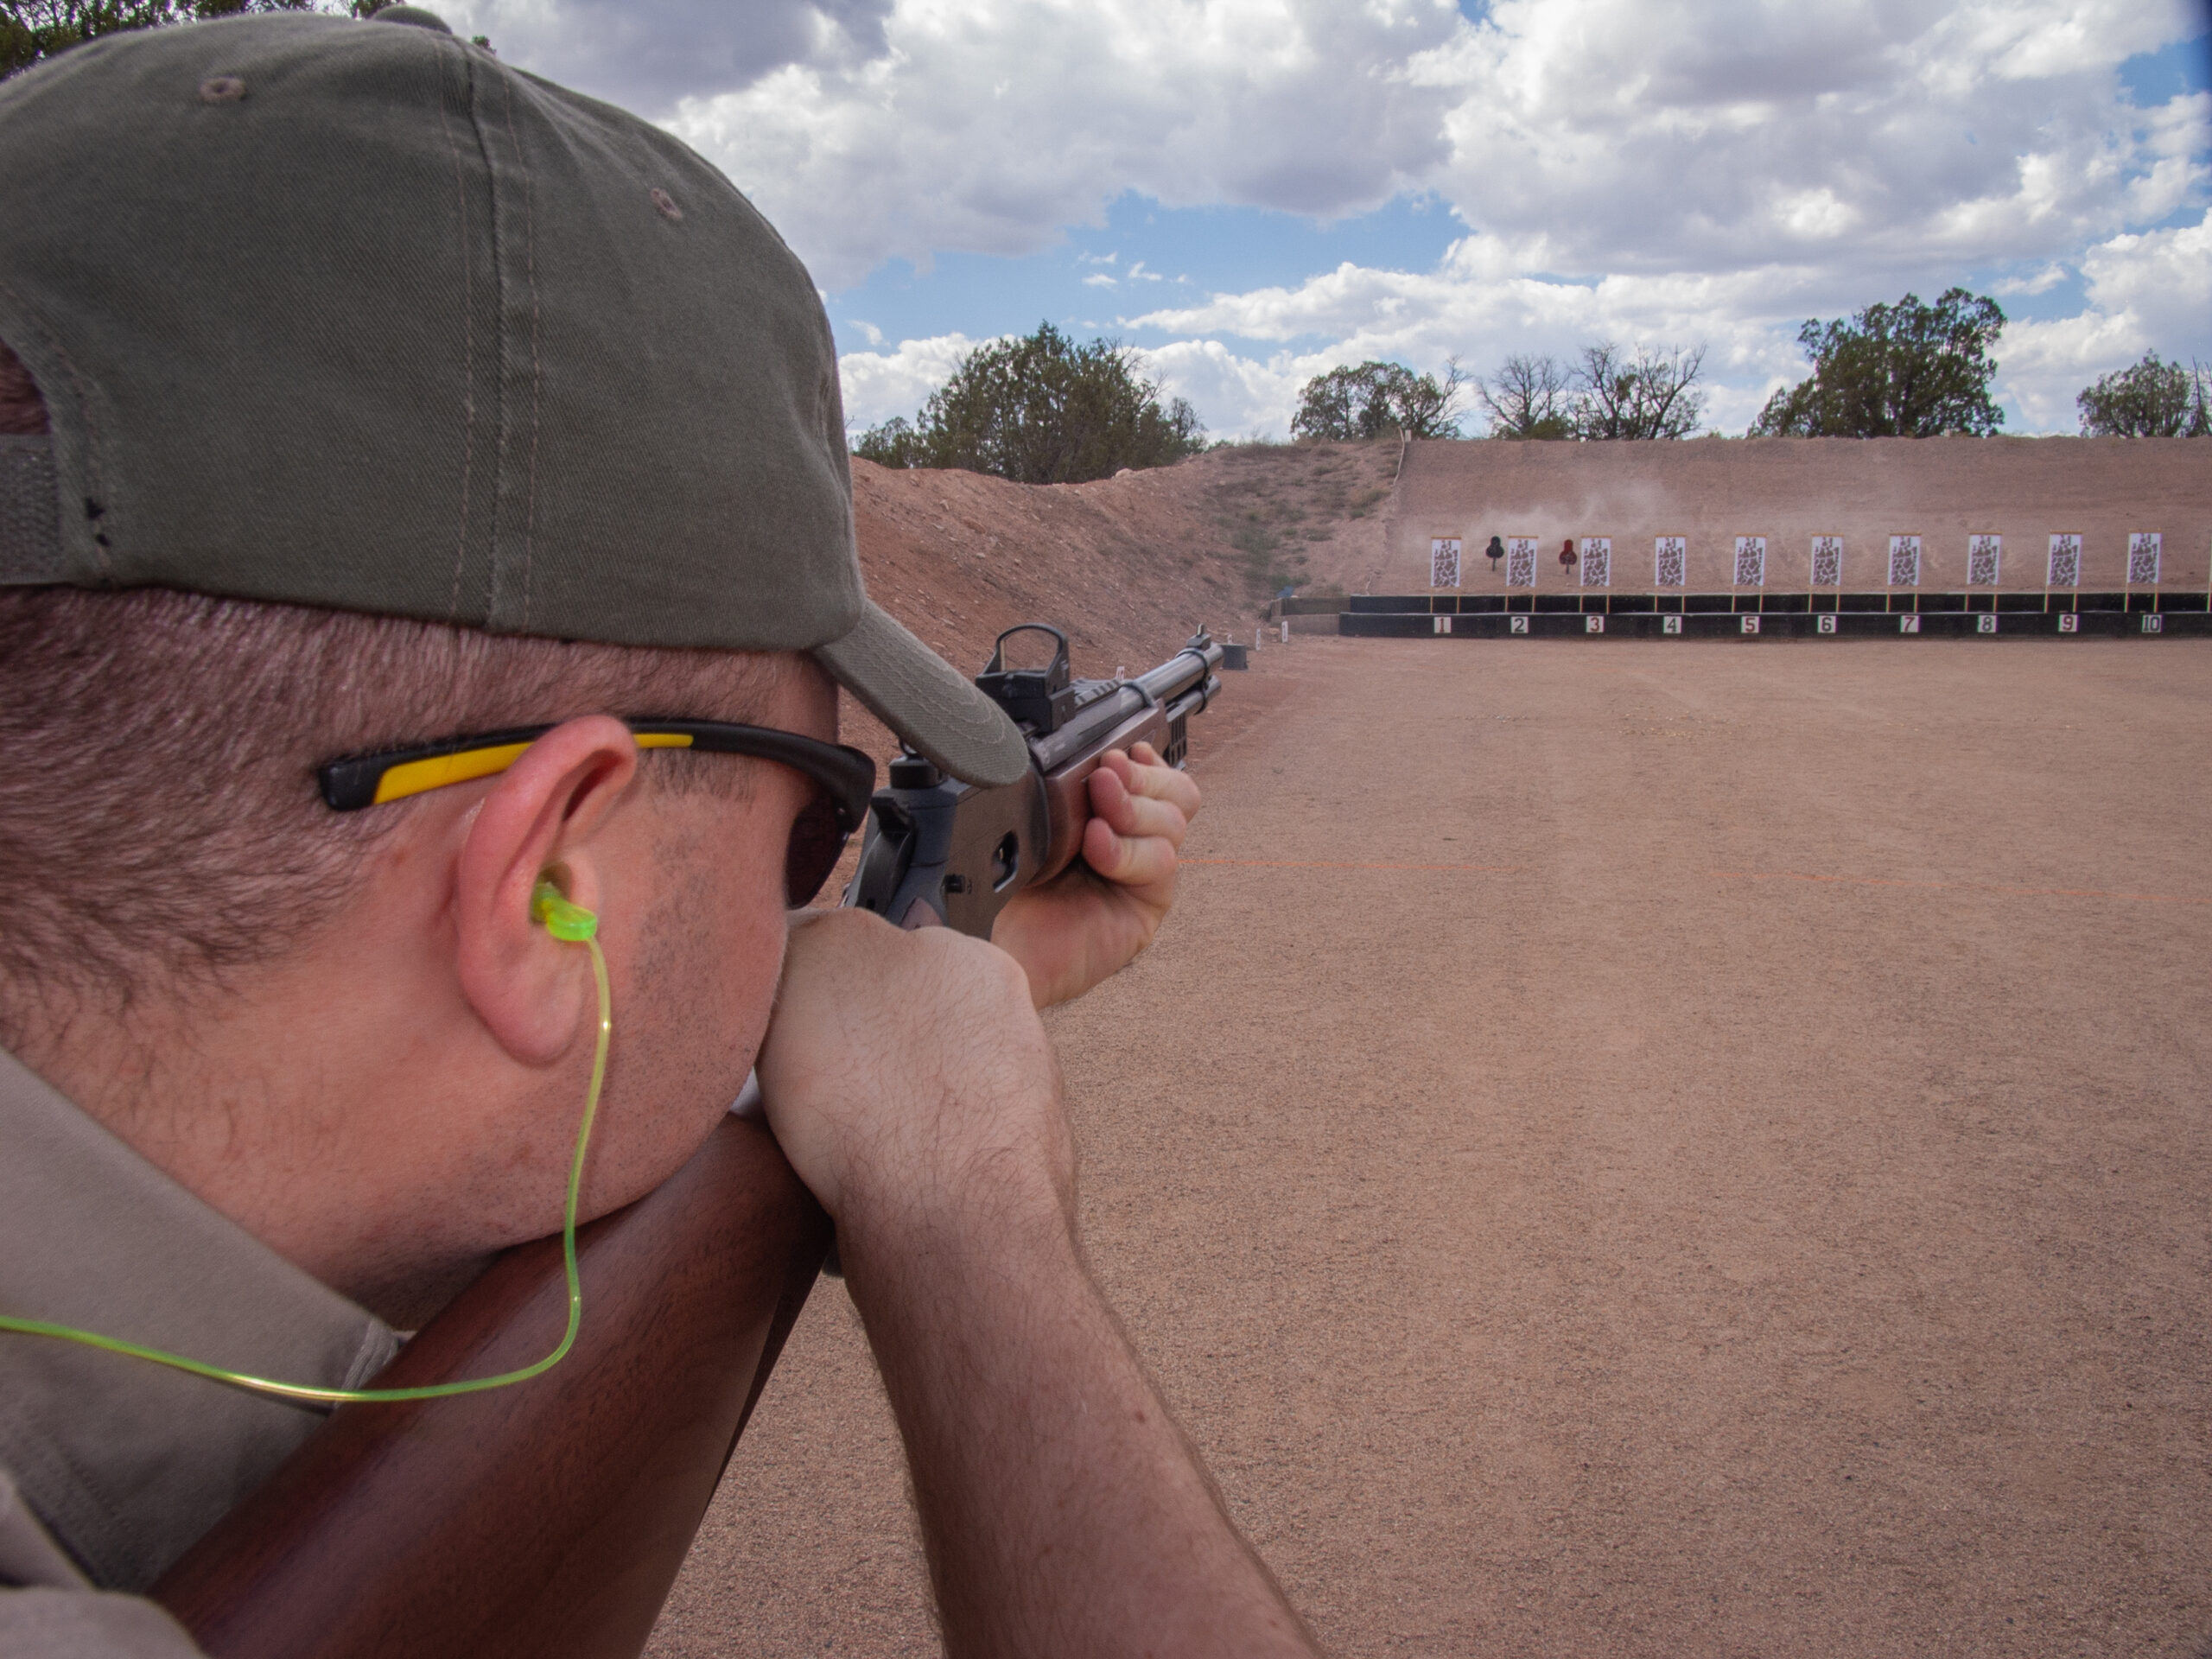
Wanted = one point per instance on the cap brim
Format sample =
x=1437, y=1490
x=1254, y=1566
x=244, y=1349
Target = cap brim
x=925, y=700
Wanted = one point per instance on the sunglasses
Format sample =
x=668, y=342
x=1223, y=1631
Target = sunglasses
x=843, y=779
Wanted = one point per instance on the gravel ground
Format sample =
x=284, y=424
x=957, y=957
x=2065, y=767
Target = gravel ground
x=1637, y=1148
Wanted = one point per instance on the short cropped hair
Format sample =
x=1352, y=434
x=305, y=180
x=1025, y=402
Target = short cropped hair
x=160, y=817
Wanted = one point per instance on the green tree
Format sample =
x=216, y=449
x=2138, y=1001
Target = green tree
x=1644, y=395
x=2150, y=399
x=33, y=29
x=1041, y=410
x=1901, y=371
x=1527, y=399
x=1378, y=400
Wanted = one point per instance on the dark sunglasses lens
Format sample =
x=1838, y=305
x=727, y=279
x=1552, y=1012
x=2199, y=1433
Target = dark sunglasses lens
x=817, y=844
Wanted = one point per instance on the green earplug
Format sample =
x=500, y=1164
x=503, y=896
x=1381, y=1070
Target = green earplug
x=561, y=918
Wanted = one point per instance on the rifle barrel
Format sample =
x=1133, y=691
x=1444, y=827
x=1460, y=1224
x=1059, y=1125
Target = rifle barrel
x=1188, y=667
x=1190, y=671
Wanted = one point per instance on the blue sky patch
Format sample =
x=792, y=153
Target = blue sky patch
x=1145, y=258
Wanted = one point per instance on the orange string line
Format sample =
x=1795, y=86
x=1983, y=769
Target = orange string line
x=1964, y=886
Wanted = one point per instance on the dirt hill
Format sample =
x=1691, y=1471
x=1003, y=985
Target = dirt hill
x=1128, y=565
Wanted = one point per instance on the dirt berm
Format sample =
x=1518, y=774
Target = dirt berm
x=1128, y=566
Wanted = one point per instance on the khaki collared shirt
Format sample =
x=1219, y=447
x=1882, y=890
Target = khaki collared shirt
x=110, y=1467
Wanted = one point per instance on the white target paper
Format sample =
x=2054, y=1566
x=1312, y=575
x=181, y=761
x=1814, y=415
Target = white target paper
x=1751, y=561
x=1984, y=558
x=2142, y=550
x=1520, y=562
x=2065, y=562
x=1827, y=560
x=1444, y=562
x=1596, y=561
x=1905, y=561
x=1670, y=560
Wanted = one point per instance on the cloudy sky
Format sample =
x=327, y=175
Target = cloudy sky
x=1250, y=190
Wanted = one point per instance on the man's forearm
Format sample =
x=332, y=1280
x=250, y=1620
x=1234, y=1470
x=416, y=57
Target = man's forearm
x=1062, y=1509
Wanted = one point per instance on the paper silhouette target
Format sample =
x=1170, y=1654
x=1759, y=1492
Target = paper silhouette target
x=1827, y=560
x=1670, y=561
x=1904, y=563
x=1596, y=561
x=2065, y=565
x=1444, y=562
x=2143, y=547
x=1984, y=558
x=1520, y=562
x=1751, y=561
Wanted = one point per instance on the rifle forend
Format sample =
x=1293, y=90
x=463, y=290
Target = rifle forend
x=939, y=851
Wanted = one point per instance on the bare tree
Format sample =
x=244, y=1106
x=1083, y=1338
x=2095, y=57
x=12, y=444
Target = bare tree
x=1527, y=399
x=1648, y=394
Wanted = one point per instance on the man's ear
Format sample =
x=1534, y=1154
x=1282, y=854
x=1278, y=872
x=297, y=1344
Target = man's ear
x=538, y=820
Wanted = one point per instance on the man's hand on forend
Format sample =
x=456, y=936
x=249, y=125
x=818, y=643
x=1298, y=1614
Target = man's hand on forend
x=1092, y=920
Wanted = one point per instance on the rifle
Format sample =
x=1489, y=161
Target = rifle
x=549, y=1519
x=939, y=851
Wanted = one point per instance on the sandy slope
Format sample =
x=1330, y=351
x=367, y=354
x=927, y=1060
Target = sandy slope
x=1128, y=566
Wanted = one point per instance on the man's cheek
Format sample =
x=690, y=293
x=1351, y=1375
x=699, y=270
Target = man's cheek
x=751, y=992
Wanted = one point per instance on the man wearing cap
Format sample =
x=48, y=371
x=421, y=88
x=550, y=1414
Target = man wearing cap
x=362, y=397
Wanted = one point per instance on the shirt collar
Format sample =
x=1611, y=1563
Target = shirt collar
x=127, y=1462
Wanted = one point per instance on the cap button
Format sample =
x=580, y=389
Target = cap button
x=419, y=16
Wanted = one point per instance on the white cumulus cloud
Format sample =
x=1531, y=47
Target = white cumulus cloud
x=880, y=384
x=1663, y=171
x=988, y=125
x=648, y=55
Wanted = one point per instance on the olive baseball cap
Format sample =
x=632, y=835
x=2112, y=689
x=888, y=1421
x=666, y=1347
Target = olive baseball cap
x=353, y=314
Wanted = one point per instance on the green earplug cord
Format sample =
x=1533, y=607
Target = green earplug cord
x=563, y=921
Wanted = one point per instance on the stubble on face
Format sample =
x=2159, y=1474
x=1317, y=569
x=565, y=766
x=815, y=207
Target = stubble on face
x=706, y=954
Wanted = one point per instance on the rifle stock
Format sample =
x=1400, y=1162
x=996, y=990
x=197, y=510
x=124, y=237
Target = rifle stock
x=548, y=1518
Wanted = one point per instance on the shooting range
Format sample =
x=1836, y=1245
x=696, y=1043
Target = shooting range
x=1861, y=581
x=1644, y=1138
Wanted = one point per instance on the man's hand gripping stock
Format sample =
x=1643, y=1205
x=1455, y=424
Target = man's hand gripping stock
x=914, y=1090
